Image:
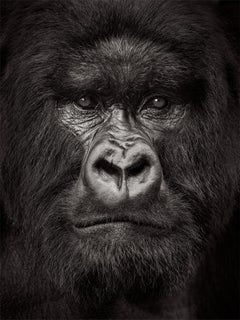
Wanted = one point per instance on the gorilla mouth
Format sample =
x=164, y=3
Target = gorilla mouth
x=116, y=220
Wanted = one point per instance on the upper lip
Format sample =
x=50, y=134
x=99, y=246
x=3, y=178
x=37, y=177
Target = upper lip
x=84, y=223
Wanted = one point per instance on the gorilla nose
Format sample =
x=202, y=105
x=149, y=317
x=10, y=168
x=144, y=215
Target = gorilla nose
x=119, y=173
x=115, y=174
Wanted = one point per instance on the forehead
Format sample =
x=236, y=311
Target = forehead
x=115, y=55
x=120, y=45
x=125, y=61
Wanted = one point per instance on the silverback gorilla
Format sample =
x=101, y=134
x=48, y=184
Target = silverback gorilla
x=120, y=160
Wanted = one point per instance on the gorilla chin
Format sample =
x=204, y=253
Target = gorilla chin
x=124, y=250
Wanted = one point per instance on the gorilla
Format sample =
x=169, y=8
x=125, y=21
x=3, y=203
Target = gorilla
x=120, y=160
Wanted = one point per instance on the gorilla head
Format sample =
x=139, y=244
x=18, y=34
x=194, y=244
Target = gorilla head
x=120, y=144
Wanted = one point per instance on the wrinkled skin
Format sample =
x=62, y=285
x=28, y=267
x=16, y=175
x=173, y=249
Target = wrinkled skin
x=119, y=161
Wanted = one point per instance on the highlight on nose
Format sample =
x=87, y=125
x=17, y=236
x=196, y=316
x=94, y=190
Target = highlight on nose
x=114, y=174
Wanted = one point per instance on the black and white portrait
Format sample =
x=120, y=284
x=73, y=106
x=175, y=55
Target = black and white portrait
x=119, y=159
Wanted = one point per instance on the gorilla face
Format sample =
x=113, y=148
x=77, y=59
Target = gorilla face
x=119, y=164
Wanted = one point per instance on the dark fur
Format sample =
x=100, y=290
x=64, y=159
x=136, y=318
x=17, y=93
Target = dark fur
x=187, y=270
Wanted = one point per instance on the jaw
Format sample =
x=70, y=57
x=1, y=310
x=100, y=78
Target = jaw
x=97, y=254
x=101, y=262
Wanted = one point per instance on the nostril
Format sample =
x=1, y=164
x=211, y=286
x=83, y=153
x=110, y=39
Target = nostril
x=104, y=166
x=138, y=167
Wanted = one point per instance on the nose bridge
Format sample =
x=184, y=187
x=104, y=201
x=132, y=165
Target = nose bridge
x=123, y=129
x=122, y=132
x=120, y=138
x=121, y=118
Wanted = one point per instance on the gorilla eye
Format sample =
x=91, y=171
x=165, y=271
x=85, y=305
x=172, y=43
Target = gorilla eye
x=155, y=107
x=157, y=102
x=87, y=102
